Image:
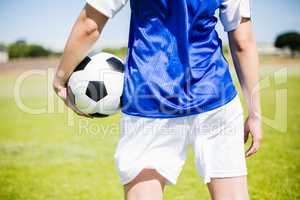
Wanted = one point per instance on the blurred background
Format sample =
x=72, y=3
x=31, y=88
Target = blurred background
x=46, y=152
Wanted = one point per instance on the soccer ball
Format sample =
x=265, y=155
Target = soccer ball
x=96, y=85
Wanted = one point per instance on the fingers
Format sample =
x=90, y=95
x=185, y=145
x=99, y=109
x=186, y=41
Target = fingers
x=77, y=111
x=252, y=126
x=254, y=146
x=246, y=131
x=70, y=102
x=65, y=95
x=62, y=93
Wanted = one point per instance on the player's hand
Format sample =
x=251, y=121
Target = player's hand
x=63, y=93
x=253, y=127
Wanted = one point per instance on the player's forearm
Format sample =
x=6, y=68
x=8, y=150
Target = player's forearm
x=83, y=36
x=245, y=57
x=76, y=49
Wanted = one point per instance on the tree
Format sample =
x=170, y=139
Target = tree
x=37, y=51
x=20, y=49
x=290, y=40
x=17, y=49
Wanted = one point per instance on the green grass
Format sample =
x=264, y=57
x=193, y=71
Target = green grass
x=41, y=157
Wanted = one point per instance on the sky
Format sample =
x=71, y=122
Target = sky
x=48, y=22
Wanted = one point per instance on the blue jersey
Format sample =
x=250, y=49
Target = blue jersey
x=175, y=65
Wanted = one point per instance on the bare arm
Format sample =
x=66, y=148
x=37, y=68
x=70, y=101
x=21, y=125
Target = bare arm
x=246, y=62
x=84, y=34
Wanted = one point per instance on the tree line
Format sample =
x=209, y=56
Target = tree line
x=22, y=49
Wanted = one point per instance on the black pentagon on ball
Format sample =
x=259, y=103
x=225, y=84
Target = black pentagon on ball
x=96, y=90
x=116, y=64
x=121, y=101
x=82, y=64
x=98, y=115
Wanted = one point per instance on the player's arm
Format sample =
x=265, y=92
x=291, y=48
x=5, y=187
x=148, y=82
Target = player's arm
x=244, y=53
x=83, y=36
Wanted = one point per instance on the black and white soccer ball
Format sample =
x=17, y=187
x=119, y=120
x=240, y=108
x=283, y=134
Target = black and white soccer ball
x=96, y=85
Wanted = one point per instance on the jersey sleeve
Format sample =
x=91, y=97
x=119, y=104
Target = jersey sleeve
x=232, y=11
x=107, y=7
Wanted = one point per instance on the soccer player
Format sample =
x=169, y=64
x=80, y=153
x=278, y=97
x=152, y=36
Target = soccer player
x=178, y=92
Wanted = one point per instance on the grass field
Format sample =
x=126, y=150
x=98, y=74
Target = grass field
x=42, y=157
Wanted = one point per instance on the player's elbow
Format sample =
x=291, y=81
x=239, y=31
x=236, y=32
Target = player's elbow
x=244, y=43
x=89, y=28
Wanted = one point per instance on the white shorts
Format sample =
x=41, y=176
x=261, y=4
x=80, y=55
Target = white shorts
x=217, y=138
